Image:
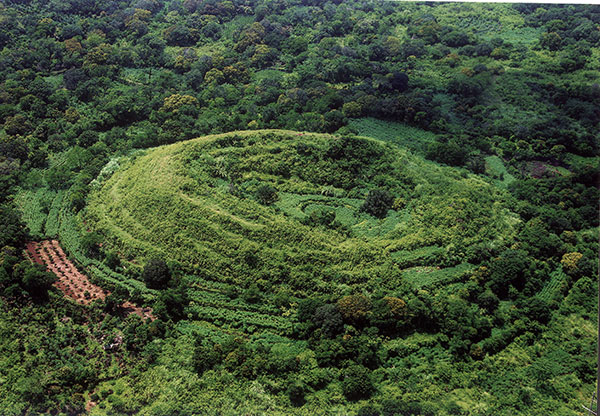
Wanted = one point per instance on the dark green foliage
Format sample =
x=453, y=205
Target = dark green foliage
x=538, y=310
x=510, y=268
x=156, y=274
x=252, y=294
x=328, y=319
x=368, y=410
x=377, y=203
x=296, y=392
x=357, y=382
x=266, y=194
x=12, y=230
x=205, y=357
x=90, y=244
x=171, y=304
x=450, y=153
x=112, y=260
x=34, y=279
x=307, y=308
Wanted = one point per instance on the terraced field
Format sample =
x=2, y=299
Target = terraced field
x=197, y=202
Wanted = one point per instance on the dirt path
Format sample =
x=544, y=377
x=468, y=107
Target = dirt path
x=71, y=281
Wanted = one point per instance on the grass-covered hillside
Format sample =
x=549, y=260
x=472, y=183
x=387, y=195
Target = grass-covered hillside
x=308, y=211
x=355, y=207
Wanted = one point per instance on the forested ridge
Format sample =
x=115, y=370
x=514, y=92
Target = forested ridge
x=331, y=207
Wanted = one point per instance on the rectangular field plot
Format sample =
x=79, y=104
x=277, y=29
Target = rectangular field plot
x=400, y=134
x=422, y=277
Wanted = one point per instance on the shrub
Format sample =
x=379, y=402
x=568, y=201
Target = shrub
x=357, y=382
x=354, y=308
x=377, y=203
x=296, y=392
x=156, y=274
x=266, y=194
x=328, y=317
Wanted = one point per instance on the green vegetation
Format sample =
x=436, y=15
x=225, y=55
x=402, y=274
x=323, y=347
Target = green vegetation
x=403, y=135
x=356, y=207
x=221, y=228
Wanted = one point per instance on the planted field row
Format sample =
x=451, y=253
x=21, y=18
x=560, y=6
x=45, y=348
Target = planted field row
x=31, y=204
x=400, y=134
x=71, y=281
x=70, y=236
x=220, y=300
x=425, y=276
x=240, y=319
x=554, y=286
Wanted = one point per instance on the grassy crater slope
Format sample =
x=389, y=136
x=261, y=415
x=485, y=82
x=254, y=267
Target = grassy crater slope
x=196, y=203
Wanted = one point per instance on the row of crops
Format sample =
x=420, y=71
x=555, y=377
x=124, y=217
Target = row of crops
x=48, y=216
x=400, y=134
x=248, y=322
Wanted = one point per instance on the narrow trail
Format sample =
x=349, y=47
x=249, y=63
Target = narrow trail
x=71, y=281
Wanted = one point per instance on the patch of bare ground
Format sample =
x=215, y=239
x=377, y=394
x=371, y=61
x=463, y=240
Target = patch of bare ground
x=71, y=281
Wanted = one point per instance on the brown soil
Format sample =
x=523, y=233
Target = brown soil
x=71, y=281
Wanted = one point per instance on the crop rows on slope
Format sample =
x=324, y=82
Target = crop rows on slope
x=399, y=134
x=218, y=299
x=60, y=223
x=243, y=320
x=554, y=286
x=31, y=204
x=70, y=281
x=196, y=203
x=428, y=276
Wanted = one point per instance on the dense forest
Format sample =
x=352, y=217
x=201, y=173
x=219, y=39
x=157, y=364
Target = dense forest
x=304, y=207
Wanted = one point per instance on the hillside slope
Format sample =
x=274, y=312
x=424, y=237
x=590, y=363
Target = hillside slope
x=201, y=204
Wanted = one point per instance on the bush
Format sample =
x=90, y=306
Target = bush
x=368, y=410
x=357, y=382
x=296, y=392
x=90, y=243
x=377, y=203
x=450, y=153
x=328, y=317
x=354, y=308
x=266, y=194
x=156, y=274
x=35, y=279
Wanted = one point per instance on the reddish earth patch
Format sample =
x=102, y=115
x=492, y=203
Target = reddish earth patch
x=71, y=281
x=538, y=169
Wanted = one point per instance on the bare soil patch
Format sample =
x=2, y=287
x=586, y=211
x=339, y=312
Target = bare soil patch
x=71, y=281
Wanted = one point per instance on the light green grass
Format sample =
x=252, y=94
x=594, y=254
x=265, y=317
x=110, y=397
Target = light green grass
x=495, y=168
x=175, y=202
x=400, y=134
x=425, y=277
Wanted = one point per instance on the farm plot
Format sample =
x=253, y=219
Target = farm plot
x=399, y=134
x=347, y=212
x=71, y=281
x=555, y=286
x=211, y=306
x=423, y=277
